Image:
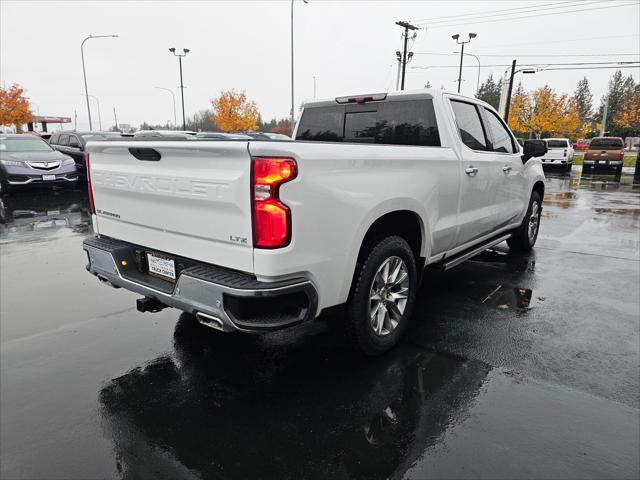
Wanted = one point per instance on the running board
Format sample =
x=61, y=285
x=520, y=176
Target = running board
x=449, y=263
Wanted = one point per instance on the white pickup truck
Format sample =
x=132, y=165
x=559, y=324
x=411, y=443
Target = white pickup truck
x=255, y=235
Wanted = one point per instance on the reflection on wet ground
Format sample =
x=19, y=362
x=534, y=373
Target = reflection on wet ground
x=34, y=211
x=514, y=366
x=322, y=415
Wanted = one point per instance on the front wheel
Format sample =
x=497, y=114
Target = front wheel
x=383, y=295
x=525, y=237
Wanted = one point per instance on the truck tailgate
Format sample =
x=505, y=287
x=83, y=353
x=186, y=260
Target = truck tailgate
x=193, y=202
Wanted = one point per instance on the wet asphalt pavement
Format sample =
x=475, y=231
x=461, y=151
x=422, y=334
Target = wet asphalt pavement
x=513, y=366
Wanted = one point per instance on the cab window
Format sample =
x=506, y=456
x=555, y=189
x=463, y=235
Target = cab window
x=501, y=139
x=469, y=125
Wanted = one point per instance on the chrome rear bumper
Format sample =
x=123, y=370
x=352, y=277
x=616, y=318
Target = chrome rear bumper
x=220, y=298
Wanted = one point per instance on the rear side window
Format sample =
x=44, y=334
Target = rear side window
x=63, y=140
x=388, y=123
x=557, y=143
x=469, y=125
x=500, y=137
x=408, y=123
x=54, y=139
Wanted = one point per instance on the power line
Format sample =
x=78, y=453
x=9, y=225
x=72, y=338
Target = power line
x=536, y=64
x=565, y=40
x=493, y=11
x=538, y=56
x=530, y=16
x=531, y=9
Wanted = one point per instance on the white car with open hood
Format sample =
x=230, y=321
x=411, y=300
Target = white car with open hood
x=256, y=235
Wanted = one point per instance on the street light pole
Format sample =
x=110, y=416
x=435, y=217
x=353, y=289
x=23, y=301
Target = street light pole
x=477, y=60
x=180, y=55
x=99, y=114
x=292, y=81
x=84, y=72
x=456, y=37
x=173, y=96
x=98, y=104
x=314, y=86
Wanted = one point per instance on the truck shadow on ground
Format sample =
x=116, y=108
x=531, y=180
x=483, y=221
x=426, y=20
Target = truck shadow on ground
x=298, y=403
x=235, y=410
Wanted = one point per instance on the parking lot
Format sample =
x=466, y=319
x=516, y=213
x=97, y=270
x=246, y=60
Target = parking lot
x=513, y=366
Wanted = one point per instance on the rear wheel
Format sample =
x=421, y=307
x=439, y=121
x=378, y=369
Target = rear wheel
x=383, y=295
x=525, y=237
x=568, y=168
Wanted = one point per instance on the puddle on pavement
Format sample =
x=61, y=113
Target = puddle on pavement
x=505, y=297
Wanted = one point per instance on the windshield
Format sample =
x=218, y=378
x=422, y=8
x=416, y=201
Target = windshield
x=99, y=136
x=557, y=143
x=606, y=143
x=25, y=144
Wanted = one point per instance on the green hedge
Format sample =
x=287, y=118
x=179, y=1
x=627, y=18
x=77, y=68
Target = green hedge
x=629, y=160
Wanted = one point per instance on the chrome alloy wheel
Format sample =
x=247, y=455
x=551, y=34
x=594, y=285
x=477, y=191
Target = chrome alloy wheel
x=388, y=295
x=534, y=221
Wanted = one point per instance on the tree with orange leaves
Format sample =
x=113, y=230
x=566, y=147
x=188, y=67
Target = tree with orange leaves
x=14, y=108
x=232, y=112
x=628, y=115
x=283, y=127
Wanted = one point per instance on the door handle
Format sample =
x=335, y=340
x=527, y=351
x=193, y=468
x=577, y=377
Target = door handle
x=471, y=170
x=506, y=168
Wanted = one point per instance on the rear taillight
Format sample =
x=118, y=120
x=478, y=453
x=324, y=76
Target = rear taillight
x=564, y=154
x=585, y=155
x=621, y=154
x=92, y=206
x=271, y=217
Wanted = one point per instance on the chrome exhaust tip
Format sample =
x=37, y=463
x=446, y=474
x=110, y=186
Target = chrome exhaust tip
x=210, y=321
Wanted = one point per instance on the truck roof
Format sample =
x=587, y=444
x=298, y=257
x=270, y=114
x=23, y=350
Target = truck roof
x=419, y=94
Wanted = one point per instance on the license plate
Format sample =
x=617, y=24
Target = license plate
x=48, y=178
x=161, y=266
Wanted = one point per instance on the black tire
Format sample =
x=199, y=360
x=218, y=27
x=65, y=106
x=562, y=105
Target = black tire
x=568, y=168
x=360, y=326
x=586, y=168
x=619, y=171
x=522, y=240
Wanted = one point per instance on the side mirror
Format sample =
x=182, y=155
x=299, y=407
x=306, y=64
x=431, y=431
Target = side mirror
x=533, y=148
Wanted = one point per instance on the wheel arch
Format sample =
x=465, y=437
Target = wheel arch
x=404, y=223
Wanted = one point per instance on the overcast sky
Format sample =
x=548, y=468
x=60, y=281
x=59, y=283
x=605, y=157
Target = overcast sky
x=349, y=46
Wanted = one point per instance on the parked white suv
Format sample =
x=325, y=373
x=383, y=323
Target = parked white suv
x=257, y=235
x=559, y=153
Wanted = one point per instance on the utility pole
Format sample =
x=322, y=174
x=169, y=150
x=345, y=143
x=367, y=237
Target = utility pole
x=115, y=117
x=603, y=125
x=407, y=26
x=506, y=108
x=399, y=58
x=314, y=86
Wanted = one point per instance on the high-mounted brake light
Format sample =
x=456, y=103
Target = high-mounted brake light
x=271, y=217
x=92, y=205
x=371, y=97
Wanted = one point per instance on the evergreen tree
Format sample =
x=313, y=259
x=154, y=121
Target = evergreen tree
x=489, y=91
x=584, y=100
x=619, y=89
